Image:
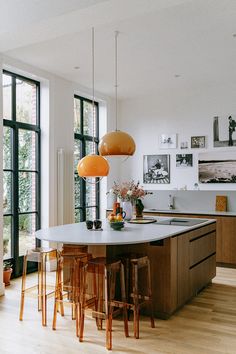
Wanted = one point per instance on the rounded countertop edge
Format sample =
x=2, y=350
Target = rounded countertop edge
x=46, y=234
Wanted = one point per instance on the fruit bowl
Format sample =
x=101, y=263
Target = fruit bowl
x=117, y=225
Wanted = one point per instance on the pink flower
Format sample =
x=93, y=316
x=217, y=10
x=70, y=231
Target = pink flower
x=128, y=191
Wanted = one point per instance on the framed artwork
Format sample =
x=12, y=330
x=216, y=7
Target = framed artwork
x=224, y=131
x=217, y=167
x=184, y=145
x=156, y=169
x=168, y=141
x=184, y=160
x=198, y=142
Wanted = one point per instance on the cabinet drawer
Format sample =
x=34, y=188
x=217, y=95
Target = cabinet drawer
x=201, y=248
x=202, y=274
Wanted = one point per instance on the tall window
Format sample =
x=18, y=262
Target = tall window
x=21, y=166
x=86, y=194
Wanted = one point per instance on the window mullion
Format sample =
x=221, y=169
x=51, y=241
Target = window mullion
x=85, y=139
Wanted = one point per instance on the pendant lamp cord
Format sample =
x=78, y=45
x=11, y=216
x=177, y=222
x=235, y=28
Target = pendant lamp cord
x=116, y=75
x=93, y=105
x=93, y=108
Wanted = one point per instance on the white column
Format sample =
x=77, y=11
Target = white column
x=1, y=191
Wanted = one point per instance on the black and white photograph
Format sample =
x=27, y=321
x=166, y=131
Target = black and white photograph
x=224, y=131
x=168, y=141
x=156, y=169
x=184, y=160
x=217, y=167
x=198, y=142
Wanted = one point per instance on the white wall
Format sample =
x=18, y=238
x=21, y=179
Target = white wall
x=185, y=112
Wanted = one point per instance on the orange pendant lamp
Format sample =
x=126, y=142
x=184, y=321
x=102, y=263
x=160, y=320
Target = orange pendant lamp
x=116, y=143
x=93, y=165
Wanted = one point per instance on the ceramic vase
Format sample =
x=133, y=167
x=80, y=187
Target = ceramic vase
x=128, y=209
x=139, y=208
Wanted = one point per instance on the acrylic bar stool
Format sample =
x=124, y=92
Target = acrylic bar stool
x=68, y=284
x=40, y=256
x=103, y=299
x=141, y=297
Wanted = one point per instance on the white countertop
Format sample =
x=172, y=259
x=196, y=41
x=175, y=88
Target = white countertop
x=130, y=234
x=198, y=212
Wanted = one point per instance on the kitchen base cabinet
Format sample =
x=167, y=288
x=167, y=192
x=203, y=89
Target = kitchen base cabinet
x=225, y=235
x=180, y=266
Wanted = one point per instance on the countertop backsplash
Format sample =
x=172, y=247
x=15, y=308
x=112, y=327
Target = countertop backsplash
x=189, y=200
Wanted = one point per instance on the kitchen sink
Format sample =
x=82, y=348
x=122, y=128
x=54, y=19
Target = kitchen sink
x=181, y=222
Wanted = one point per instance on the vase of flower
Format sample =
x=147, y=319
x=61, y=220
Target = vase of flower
x=128, y=209
x=130, y=193
x=139, y=208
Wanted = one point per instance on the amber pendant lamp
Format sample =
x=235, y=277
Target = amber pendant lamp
x=116, y=143
x=93, y=165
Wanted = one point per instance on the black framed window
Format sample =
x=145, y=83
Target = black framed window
x=86, y=194
x=21, y=166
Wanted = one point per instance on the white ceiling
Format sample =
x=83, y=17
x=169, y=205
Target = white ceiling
x=158, y=39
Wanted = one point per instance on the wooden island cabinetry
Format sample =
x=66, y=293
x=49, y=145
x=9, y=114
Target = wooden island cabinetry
x=181, y=266
x=225, y=234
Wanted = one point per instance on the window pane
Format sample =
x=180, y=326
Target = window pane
x=27, y=153
x=77, y=191
x=27, y=191
x=90, y=194
x=88, y=119
x=26, y=106
x=78, y=215
x=7, y=96
x=7, y=152
x=7, y=192
x=77, y=126
x=77, y=153
x=7, y=222
x=90, y=213
x=27, y=227
x=89, y=148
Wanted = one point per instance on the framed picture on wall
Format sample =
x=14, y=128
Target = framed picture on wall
x=224, y=131
x=168, y=141
x=217, y=167
x=156, y=169
x=198, y=142
x=184, y=160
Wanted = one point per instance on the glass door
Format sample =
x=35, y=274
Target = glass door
x=21, y=167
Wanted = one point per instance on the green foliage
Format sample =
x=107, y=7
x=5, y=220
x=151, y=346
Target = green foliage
x=7, y=265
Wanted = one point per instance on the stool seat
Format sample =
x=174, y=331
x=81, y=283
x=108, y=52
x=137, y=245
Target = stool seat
x=39, y=255
x=103, y=298
x=134, y=262
x=68, y=283
x=35, y=254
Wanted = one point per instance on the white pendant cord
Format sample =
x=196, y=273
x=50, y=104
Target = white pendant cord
x=93, y=75
x=93, y=107
x=116, y=75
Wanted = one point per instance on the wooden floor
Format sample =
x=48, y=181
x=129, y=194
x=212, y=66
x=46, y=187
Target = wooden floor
x=206, y=325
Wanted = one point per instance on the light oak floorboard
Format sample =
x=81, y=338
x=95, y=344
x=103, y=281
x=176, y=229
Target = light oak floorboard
x=206, y=325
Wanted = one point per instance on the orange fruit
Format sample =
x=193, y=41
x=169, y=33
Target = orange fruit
x=111, y=217
x=119, y=217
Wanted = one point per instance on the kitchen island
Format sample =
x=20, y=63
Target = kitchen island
x=225, y=226
x=182, y=258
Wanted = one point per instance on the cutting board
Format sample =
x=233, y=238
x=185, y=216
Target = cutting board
x=142, y=221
